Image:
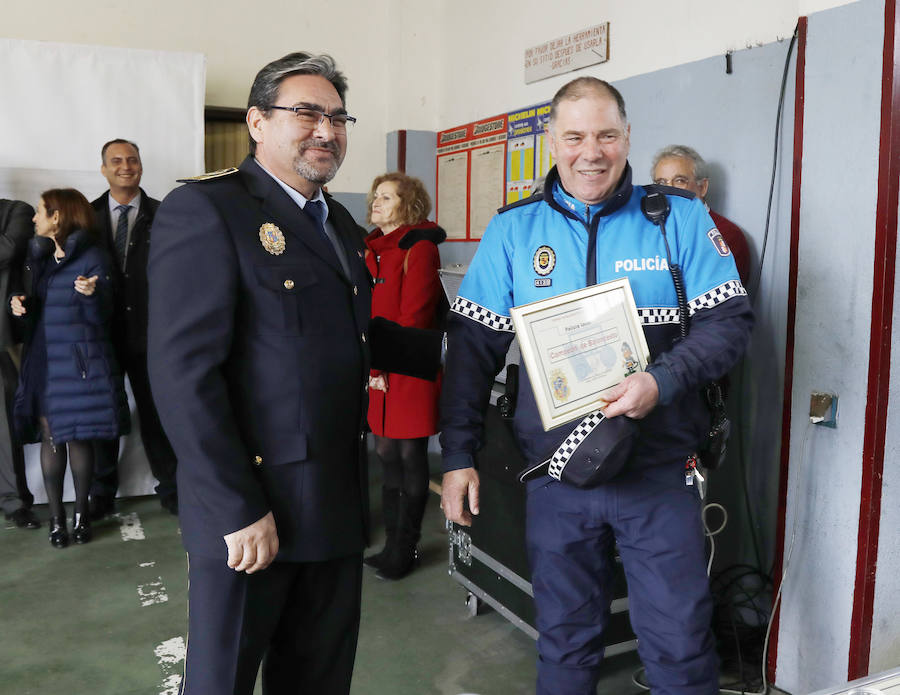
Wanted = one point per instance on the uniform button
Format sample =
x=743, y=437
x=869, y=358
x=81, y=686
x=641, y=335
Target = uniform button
x=362, y=435
x=364, y=337
x=355, y=289
x=257, y=460
x=128, y=308
x=288, y=284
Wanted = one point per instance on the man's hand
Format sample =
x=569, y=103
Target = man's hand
x=455, y=487
x=17, y=304
x=253, y=547
x=635, y=397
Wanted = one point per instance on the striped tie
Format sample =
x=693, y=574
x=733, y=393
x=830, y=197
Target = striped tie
x=121, y=238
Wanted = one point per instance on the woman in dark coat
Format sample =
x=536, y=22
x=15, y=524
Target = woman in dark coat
x=403, y=258
x=71, y=391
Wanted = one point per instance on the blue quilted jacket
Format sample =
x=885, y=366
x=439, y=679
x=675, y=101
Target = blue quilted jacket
x=67, y=347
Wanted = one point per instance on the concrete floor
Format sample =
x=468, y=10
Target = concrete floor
x=109, y=618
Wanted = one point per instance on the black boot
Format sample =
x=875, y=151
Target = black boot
x=59, y=535
x=404, y=557
x=81, y=528
x=390, y=510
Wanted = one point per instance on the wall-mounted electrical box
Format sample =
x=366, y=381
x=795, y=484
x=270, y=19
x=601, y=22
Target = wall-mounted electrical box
x=823, y=408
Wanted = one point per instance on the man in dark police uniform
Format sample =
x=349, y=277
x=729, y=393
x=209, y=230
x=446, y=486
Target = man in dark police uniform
x=259, y=314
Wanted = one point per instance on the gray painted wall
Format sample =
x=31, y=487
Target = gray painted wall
x=730, y=120
x=355, y=204
x=837, y=232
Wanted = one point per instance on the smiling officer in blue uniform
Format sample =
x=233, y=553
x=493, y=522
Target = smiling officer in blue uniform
x=258, y=360
x=587, y=227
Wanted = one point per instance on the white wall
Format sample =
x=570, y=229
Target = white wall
x=51, y=132
x=419, y=65
x=238, y=39
x=482, y=44
x=62, y=101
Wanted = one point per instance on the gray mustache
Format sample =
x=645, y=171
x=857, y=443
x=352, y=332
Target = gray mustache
x=329, y=145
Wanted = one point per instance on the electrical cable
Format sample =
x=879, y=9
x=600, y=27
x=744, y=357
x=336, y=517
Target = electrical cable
x=787, y=561
x=762, y=253
x=756, y=283
x=766, y=580
x=711, y=534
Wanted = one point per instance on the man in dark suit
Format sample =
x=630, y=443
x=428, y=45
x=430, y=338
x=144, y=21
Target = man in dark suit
x=16, y=228
x=123, y=218
x=259, y=359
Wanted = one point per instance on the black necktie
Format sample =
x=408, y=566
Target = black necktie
x=316, y=211
x=121, y=239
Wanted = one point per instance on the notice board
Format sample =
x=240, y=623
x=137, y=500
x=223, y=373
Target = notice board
x=471, y=170
x=486, y=164
x=528, y=154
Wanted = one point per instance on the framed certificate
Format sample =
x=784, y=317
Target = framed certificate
x=578, y=345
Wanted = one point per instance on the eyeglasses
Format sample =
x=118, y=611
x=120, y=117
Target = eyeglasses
x=677, y=182
x=310, y=119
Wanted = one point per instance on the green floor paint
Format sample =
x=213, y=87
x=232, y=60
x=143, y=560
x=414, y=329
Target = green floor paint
x=73, y=620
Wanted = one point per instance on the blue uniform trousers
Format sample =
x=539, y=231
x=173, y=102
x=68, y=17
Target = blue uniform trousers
x=300, y=619
x=655, y=520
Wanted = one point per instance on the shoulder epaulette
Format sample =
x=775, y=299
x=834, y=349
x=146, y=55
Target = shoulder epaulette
x=209, y=176
x=524, y=201
x=668, y=190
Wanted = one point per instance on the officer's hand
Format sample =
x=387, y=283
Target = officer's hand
x=253, y=547
x=17, y=304
x=455, y=488
x=379, y=382
x=635, y=396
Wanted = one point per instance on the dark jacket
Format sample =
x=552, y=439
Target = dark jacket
x=129, y=323
x=16, y=228
x=258, y=360
x=408, y=291
x=85, y=393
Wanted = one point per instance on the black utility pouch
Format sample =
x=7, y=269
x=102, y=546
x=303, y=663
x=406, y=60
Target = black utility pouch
x=715, y=445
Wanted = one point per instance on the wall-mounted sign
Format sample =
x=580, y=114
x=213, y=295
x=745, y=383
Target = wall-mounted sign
x=571, y=52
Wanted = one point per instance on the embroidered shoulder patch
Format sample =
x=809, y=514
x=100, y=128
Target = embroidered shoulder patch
x=716, y=238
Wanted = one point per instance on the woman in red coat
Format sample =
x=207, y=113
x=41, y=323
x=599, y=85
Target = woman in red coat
x=403, y=258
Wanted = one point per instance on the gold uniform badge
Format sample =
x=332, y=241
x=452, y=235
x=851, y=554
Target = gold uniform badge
x=272, y=239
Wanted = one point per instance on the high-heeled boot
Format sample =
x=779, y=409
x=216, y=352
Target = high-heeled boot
x=390, y=509
x=81, y=528
x=59, y=535
x=404, y=555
